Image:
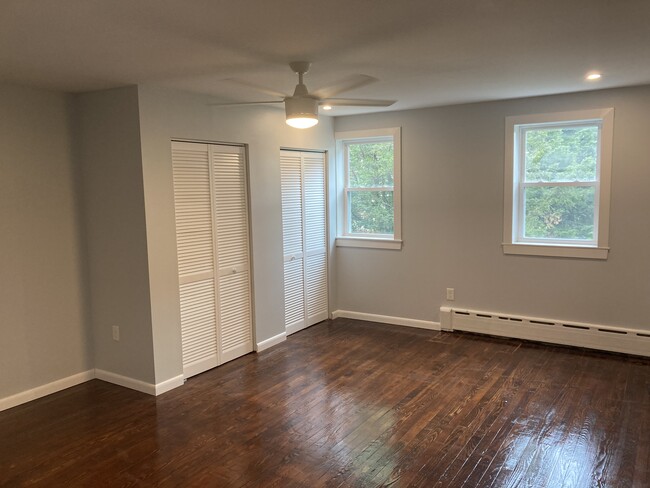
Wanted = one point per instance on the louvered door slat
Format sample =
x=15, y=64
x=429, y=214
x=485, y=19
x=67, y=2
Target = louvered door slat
x=198, y=320
x=291, y=182
x=235, y=314
x=193, y=208
x=316, y=284
x=231, y=213
x=294, y=302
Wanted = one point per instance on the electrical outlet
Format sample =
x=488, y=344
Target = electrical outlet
x=116, y=333
x=450, y=294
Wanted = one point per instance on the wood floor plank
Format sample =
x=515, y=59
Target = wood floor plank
x=521, y=387
x=512, y=457
x=453, y=426
x=587, y=453
x=348, y=403
x=387, y=446
x=473, y=461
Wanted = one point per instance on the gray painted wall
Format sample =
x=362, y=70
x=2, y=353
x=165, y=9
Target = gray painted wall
x=114, y=225
x=452, y=172
x=166, y=115
x=43, y=336
x=452, y=201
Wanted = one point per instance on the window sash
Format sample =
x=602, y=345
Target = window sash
x=346, y=150
x=521, y=218
x=519, y=214
x=348, y=213
x=347, y=226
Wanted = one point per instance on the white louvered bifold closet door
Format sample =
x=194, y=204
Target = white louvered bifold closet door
x=315, y=224
x=216, y=326
x=195, y=248
x=233, y=261
x=304, y=222
x=292, y=237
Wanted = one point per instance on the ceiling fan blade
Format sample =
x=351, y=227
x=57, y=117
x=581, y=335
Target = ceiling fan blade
x=231, y=104
x=262, y=89
x=350, y=83
x=356, y=102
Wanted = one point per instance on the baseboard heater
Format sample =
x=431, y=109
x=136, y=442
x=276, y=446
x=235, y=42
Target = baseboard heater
x=605, y=338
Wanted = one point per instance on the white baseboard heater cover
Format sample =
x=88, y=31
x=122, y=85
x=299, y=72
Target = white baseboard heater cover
x=605, y=338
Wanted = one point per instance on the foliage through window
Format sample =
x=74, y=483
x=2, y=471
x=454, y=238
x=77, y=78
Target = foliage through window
x=370, y=188
x=560, y=181
x=370, y=184
x=558, y=194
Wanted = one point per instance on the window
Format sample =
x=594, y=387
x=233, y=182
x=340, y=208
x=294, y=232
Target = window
x=369, y=188
x=557, y=184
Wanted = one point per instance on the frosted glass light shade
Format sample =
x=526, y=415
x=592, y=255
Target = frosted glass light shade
x=302, y=122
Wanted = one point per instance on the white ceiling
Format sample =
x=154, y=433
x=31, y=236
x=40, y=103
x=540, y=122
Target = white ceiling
x=425, y=52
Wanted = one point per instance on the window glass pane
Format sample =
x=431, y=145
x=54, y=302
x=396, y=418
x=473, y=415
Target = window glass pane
x=370, y=165
x=559, y=212
x=371, y=212
x=562, y=154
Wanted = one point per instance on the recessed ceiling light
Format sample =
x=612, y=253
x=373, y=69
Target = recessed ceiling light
x=326, y=107
x=594, y=76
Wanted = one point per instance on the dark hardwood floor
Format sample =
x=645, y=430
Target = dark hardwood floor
x=351, y=403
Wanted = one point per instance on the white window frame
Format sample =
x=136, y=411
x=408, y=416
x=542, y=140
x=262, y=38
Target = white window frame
x=378, y=241
x=513, y=240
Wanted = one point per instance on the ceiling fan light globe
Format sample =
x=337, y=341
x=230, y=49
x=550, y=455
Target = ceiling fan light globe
x=302, y=122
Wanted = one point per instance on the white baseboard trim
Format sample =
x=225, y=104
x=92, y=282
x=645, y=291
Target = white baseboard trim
x=170, y=384
x=44, y=390
x=77, y=379
x=138, y=385
x=385, y=319
x=265, y=344
x=569, y=333
x=118, y=379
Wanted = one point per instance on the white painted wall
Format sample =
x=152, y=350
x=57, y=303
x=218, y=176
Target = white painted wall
x=43, y=334
x=166, y=115
x=114, y=219
x=452, y=201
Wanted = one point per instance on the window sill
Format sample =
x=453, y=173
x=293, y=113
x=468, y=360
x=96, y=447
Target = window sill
x=556, y=251
x=368, y=242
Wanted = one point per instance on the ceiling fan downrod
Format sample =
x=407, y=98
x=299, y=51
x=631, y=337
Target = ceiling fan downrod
x=300, y=68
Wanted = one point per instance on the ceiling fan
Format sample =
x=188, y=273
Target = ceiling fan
x=302, y=107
